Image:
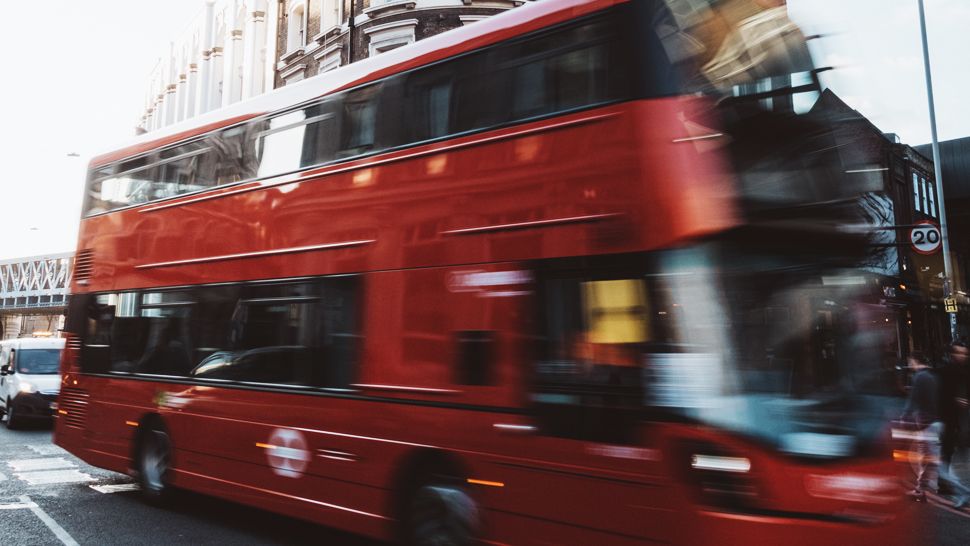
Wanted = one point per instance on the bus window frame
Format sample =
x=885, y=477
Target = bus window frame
x=387, y=81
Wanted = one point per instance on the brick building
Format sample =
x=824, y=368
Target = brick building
x=314, y=36
x=900, y=192
x=955, y=164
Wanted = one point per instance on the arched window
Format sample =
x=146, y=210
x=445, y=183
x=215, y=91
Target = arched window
x=296, y=27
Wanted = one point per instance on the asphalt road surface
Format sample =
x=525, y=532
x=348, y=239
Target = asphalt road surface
x=49, y=497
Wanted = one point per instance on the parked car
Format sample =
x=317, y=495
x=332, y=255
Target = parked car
x=29, y=378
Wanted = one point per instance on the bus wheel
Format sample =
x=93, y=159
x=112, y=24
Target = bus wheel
x=12, y=420
x=154, y=464
x=440, y=515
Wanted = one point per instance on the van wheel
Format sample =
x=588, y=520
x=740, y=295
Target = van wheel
x=12, y=420
x=440, y=514
x=153, y=465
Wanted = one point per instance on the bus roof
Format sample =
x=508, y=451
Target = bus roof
x=485, y=32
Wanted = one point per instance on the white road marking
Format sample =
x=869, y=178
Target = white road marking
x=27, y=465
x=48, y=477
x=58, y=531
x=16, y=505
x=115, y=488
x=45, y=449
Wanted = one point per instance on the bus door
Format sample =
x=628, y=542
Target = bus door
x=584, y=454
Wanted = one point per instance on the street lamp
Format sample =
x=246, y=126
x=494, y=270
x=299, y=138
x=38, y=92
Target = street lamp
x=938, y=171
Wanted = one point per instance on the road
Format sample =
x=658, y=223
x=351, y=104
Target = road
x=48, y=497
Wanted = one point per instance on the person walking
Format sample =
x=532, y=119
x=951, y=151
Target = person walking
x=922, y=411
x=953, y=397
x=954, y=389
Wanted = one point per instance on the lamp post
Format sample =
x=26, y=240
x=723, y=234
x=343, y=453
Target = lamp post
x=938, y=172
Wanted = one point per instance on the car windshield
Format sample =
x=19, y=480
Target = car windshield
x=38, y=361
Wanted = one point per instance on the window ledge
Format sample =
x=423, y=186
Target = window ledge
x=323, y=52
x=327, y=34
x=398, y=5
x=291, y=70
x=292, y=55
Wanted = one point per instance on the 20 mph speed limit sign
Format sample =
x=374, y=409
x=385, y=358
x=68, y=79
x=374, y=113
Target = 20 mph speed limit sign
x=925, y=238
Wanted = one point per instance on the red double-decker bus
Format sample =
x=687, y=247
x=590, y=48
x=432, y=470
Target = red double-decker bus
x=487, y=287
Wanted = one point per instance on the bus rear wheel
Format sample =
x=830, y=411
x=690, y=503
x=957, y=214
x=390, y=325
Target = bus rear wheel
x=440, y=514
x=153, y=465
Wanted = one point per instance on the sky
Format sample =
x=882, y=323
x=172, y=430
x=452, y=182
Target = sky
x=75, y=76
x=76, y=84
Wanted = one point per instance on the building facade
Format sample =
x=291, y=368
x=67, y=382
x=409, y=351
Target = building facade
x=315, y=36
x=955, y=167
x=236, y=49
x=226, y=54
x=900, y=192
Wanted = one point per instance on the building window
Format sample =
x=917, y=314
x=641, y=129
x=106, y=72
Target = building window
x=916, y=197
x=931, y=192
x=331, y=14
x=923, y=188
x=330, y=58
x=390, y=36
x=296, y=29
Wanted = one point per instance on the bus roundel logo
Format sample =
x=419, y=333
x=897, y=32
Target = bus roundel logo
x=926, y=237
x=288, y=454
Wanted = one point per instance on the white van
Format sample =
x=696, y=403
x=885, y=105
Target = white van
x=29, y=378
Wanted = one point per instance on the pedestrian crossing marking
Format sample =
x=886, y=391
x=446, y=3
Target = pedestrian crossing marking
x=27, y=465
x=45, y=449
x=48, y=477
x=17, y=505
x=115, y=488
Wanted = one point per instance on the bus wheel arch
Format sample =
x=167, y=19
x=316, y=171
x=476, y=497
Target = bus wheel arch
x=434, y=476
x=151, y=459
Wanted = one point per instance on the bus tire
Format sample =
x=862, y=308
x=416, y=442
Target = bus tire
x=12, y=420
x=153, y=461
x=440, y=514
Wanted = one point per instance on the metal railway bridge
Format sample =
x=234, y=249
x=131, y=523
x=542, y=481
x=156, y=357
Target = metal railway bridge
x=33, y=293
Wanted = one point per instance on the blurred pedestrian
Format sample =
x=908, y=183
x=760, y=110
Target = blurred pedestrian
x=922, y=412
x=953, y=378
x=954, y=390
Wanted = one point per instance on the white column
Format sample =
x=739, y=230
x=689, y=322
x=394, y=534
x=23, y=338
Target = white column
x=171, y=101
x=231, y=82
x=159, y=95
x=250, y=73
x=269, y=53
x=232, y=87
x=181, y=96
x=205, y=71
x=171, y=104
x=192, y=90
x=215, y=85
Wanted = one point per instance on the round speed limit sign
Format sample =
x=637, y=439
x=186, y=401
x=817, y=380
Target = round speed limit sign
x=926, y=238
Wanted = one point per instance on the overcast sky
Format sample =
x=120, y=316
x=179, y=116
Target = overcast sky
x=76, y=73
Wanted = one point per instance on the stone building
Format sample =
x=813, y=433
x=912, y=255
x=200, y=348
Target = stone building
x=236, y=49
x=314, y=36
x=226, y=54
